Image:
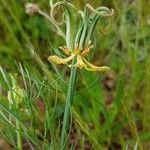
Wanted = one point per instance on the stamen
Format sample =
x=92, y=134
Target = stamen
x=87, y=49
x=65, y=49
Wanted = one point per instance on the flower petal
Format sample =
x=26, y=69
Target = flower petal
x=59, y=60
x=91, y=67
x=80, y=64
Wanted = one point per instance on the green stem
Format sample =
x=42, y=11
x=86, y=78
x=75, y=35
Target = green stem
x=69, y=100
x=58, y=29
x=19, y=137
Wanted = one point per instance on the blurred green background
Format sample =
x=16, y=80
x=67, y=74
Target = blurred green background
x=116, y=109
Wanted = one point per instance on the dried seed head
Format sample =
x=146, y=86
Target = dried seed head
x=31, y=8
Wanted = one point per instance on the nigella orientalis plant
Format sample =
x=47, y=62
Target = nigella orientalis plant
x=79, y=35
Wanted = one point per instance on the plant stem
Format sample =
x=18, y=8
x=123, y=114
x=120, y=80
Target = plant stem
x=69, y=99
x=59, y=31
x=19, y=137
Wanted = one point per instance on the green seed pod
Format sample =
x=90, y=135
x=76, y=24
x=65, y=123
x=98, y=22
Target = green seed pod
x=15, y=96
x=18, y=94
x=9, y=96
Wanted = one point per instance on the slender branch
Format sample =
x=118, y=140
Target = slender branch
x=19, y=136
x=59, y=31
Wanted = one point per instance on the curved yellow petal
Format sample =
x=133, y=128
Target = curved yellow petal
x=91, y=67
x=59, y=60
x=80, y=64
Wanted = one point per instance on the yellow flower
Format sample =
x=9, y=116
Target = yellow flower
x=81, y=61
